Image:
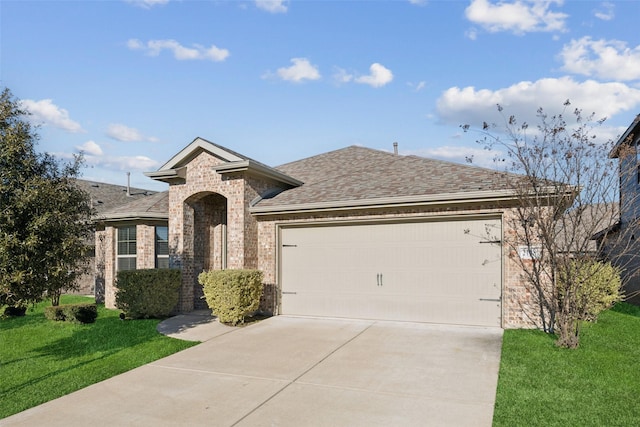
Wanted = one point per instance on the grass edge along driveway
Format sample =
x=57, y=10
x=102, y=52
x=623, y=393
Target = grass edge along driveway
x=595, y=385
x=41, y=360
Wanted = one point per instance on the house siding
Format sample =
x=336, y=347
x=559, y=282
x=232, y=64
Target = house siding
x=624, y=245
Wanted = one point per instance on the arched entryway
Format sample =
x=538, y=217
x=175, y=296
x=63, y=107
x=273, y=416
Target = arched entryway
x=206, y=222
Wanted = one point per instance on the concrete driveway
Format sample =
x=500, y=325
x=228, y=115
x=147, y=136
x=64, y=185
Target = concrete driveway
x=289, y=371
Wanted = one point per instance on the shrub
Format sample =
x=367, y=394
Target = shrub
x=232, y=294
x=148, y=293
x=599, y=286
x=75, y=313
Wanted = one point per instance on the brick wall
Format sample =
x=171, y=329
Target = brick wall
x=106, y=256
x=201, y=210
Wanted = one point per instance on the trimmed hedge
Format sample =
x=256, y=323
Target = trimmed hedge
x=143, y=294
x=75, y=313
x=232, y=294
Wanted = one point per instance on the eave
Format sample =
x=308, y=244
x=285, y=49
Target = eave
x=486, y=197
x=256, y=169
x=624, y=139
x=132, y=216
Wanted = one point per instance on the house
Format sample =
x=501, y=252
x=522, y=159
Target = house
x=104, y=197
x=355, y=232
x=627, y=230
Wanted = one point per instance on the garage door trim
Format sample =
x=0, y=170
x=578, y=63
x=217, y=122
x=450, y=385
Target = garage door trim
x=374, y=221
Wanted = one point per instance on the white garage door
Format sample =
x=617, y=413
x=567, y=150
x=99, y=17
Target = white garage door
x=430, y=271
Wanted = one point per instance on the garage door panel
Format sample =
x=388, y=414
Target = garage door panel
x=445, y=272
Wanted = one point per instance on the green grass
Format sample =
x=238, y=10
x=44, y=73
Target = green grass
x=597, y=384
x=41, y=360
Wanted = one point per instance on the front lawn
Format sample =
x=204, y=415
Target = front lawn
x=597, y=384
x=41, y=360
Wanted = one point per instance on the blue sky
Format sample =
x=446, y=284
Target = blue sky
x=130, y=83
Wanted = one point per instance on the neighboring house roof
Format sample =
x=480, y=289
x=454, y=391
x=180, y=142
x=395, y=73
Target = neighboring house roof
x=579, y=231
x=174, y=169
x=358, y=176
x=155, y=206
x=632, y=131
x=105, y=197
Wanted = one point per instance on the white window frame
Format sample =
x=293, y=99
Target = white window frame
x=159, y=257
x=128, y=256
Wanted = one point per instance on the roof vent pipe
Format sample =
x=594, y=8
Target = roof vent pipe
x=128, y=183
x=395, y=148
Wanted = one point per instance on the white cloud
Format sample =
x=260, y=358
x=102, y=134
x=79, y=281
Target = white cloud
x=607, y=59
x=418, y=2
x=342, y=76
x=417, y=87
x=181, y=53
x=606, y=11
x=518, y=17
x=90, y=148
x=147, y=4
x=470, y=106
x=301, y=70
x=47, y=113
x=121, y=132
x=378, y=76
x=459, y=154
x=122, y=163
x=129, y=163
x=273, y=6
x=472, y=33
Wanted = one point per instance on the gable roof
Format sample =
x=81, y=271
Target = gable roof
x=155, y=206
x=105, y=197
x=357, y=176
x=175, y=168
x=632, y=131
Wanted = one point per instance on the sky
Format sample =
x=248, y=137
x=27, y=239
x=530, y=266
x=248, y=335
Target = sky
x=130, y=83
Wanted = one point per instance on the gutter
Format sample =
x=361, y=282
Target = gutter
x=132, y=216
x=389, y=202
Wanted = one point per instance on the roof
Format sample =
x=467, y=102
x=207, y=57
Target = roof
x=155, y=206
x=578, y=230
x=632, y=130
x=358, y=176
x=174, y=169
x=105, y=197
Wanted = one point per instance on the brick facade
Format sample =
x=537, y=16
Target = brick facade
x=106, y=256
x=211, y=226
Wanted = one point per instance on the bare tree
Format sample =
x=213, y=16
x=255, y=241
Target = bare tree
x=566, y=191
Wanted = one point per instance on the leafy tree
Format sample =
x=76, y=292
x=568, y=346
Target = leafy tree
x=566, y=191
x=44, y=216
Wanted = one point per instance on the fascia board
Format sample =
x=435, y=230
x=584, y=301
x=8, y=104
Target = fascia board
x=202, y=144
x=389, y=202
x=623, y=139
x=257, y=169
x=393, y=202
x=162, y=174
x=132, y=216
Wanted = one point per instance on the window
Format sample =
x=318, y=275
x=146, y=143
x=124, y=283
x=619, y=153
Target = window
x=126, y=248
x=162, y=247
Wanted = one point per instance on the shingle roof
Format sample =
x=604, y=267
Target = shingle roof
x=105, y=197
x=358, y=173
x=153, y=206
